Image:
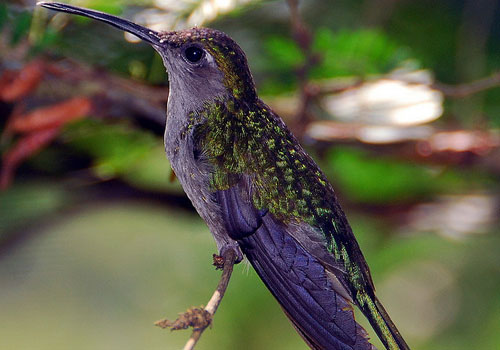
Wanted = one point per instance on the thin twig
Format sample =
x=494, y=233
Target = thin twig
x=337, y=85
x=200, y=319
x=467, y=89
x=216, y=298
x=303, y=36
x=421, y=143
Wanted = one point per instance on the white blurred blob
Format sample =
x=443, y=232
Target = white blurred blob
x=326, y=131
x=455, y=216
x=463, y=141
x=400, y=99
x=422, y=299
x=153, y=19
x=223, y=4
x=181, y=14
x=388, y=134
x=285, y=105
x=208, y=10
x=375, y=134
x=412, y=76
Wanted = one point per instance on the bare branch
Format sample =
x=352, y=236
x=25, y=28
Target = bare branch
x=422, y=143
x=467, y=89
x=303, y=36
x=200, y=318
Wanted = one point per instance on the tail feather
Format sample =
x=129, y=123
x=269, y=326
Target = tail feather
x=300, y=283
x=381, y=322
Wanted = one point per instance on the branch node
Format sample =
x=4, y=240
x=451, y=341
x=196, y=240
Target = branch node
x=197, y=318
x=218, y=262
x=200, y=318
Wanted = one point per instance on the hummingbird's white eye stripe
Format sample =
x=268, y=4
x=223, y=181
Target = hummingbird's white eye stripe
x=210, y=58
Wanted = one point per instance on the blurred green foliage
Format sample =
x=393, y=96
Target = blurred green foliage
x=361, y=52
x=116, y=149
x=343, y=53
x=95, y=274
x=385, y=180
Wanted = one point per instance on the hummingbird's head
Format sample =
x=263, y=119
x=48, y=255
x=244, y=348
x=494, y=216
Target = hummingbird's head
x=207, y=57
x=200, y=62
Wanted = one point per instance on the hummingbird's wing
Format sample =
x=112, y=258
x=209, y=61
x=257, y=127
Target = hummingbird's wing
x=278, y=205
x=311, y=296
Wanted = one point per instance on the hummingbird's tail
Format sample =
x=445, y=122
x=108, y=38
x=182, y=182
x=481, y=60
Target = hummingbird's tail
x=300, y=283
x=381, y=322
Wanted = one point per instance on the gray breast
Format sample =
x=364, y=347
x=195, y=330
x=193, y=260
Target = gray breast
x=194, y=176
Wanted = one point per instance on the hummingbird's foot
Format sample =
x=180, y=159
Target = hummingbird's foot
x=224, y=250
x=218, y=262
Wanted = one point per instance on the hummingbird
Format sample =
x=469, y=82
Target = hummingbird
x=260, y=194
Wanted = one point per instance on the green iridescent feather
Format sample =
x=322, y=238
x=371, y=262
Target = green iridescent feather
x=238, y=140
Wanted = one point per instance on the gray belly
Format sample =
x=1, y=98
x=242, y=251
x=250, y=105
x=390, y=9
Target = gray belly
x=194, y=177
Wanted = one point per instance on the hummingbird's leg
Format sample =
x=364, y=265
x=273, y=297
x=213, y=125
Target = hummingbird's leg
x=234, y=246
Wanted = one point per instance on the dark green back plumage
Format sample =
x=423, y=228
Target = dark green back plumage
x=237, y=139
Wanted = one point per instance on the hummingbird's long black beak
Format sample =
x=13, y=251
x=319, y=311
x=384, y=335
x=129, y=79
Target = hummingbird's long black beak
x=141, y=32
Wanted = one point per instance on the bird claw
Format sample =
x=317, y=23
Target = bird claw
x=218, y=262
x=224, y=251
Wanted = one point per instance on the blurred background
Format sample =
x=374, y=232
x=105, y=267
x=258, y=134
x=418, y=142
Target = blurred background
x=397, y=100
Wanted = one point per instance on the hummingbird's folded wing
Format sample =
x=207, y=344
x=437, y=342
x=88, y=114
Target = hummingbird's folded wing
x=309, y=294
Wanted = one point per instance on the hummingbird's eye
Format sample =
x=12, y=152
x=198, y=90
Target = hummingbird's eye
x=193, y=54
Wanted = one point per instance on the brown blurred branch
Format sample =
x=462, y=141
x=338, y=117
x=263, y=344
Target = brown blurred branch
x=422, y=143
x=335, y=86
x=197, y=318
x=467, y=89
x=93, y=92
x=113, y=95
x=303, y=36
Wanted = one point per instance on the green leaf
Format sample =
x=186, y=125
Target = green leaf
x=117, y=148
x=365, y=178
x=20, y=27
x=356, y=52
x=152, y=172
x=25, y=202
x=284, y=52
x=3, y=15
x=113, y=7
